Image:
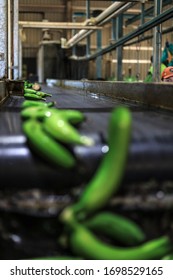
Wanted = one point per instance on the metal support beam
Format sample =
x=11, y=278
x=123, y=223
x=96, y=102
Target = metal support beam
x=99, y=58
x=119, y=50
x=147, y=12
x=15, y=39
x=20, y=55
x=157, y=43
x=88, y=37
x=3, y=36
x=98, y=21
x=73, y=33
x=146, y=26
x=9, y=36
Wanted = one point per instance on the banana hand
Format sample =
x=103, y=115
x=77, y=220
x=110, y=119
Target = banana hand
x=36, y=112
x=46, y=146
x=43, y=94
x=56, y=123
x=32, y=103
x=57, y=126
x=33, y=96
x=83, y=243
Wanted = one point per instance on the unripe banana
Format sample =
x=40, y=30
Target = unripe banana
x=83, y=243
x=32, y=103
x=33, y=96
x=109, y=174
x=28, y=90
x=36, y=112
x=73, y=116
x=43, y=94
x=117, y=227
x=168, y=257
x=61, y=130
x=46, y=146
x=27, y=84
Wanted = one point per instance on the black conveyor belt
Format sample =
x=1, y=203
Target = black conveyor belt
x=33, y=193
x=150, y=151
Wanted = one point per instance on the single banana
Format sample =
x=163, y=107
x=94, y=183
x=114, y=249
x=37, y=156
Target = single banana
x=36, y=112
x=46, y=146
x=28, y=90
x=57, y=126
x=109, y=174
x=73, y=116
x=32, y=103
x=117, y=227
x=83, y=243
x=43, y=94
x=33, y=96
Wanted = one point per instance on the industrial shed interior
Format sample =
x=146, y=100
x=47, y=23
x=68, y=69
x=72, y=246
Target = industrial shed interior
x=86, y=140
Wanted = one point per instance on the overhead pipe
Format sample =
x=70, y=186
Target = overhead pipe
x=147, y=12
x=114, y=14
x=97, y=21
x=57, y=25
x=120, y=10
x=145, y=27
x=88, y=37
x=148, y=37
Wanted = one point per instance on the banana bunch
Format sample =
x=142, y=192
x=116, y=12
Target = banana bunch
x=50, y=131
x=83, y=222
x=35, y=95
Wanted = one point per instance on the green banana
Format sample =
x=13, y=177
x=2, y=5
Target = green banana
x=117, y=227
x=73, y=116
x=43, y=94
x=83, y=243
x=27, y=84
x=168, y=257
x=65, y=133
x=32, y=103
x=33, y=96
x=28, y=90
x=39, y=93
x=37, y=112
x=46, y=146
x=108, y=176
x=57, y=126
